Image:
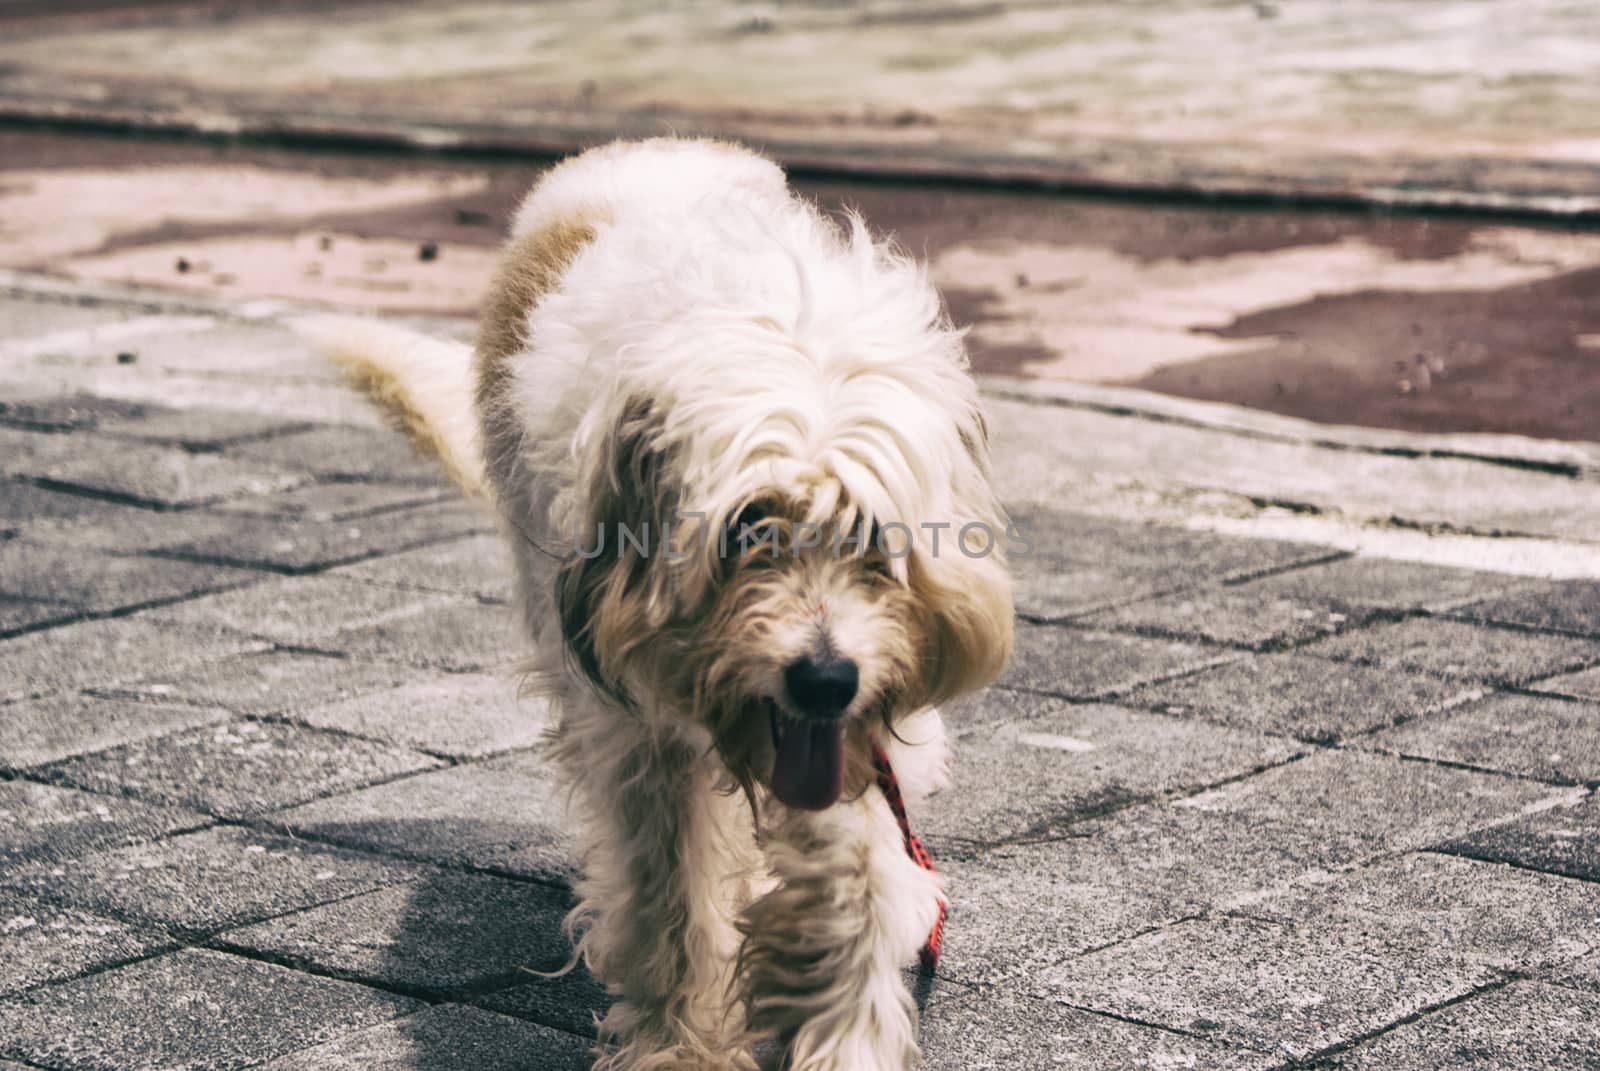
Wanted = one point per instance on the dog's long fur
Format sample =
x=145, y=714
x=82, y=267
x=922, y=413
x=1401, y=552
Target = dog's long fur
x=672, y=333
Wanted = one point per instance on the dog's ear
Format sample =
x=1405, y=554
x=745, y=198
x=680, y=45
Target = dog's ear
x=967, y=604
x=964, y=586
x=614, y=592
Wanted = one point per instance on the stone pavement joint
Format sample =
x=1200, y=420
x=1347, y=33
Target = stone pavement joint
x=267, y=798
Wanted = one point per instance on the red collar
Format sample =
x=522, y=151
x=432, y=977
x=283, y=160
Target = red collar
x=890, y=787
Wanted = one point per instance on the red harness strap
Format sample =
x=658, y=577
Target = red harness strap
x=889, y=785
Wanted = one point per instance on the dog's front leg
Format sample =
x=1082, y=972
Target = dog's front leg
x=656, y=903
x=820, y=966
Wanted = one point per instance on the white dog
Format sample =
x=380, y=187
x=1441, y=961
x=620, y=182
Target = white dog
x=725, y=435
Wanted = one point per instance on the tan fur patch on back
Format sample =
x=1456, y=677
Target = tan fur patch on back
x=531, y=267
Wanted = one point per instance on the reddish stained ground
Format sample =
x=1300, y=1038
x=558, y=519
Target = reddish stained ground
x=1507, y=360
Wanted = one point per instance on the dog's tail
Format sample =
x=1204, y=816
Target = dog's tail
x=423, y=384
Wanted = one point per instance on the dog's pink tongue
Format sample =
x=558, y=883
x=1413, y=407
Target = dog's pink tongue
x=809, y=771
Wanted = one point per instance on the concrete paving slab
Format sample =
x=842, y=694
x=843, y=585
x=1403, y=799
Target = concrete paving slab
x=1306, y=698
x=1551, y=739
x=301, y=611
x=478, y=565
x=192, y=1009
x=1362, y=804
x=1586, y=975
x=25, y=453
x=342, y=501
x=215, y=879
x=456, y=635
x=1082, y=663
x=1288, y=991
x=260, y=538
x=118, y=338
x=44, y=822
x=22, y=504
x=1581, y=685
x=1020, y=908
x=1370, y=583
x=1523, y=1027
x=189, y=354
x=1461, y=650
x=504, y=815
x=38, y=731
x=334, y=451
x=266, y=683
x=25, y=314
x=1053, y=592
x=1064, y=537
x=999, y=933
x=1508, y=918
x=1007, y=1030
x=24, y=615
x=199, y=430
x=102, y=583
x=450, y=934
x=573, y=1002
x=1030, y=767
x=131, y=532
x=463, y=715
x=96, y=652
x=44, y=942
x=240, y=769
x=1078, y=563
x=1231, y=616
x=162, y=477
x=1570, y=606
x=445, y=1038
x=1096, y=461
x=1560, y=840
x=77, y=412
x=303, y=545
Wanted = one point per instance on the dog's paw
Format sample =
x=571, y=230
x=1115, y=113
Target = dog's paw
x=677, y=1058
x=921, y=755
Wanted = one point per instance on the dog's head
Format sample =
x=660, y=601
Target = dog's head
x=791, y=549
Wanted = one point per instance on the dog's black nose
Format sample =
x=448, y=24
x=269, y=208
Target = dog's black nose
x=821, y=688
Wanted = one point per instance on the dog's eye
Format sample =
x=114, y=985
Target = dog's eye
x=873, y=558
x=749, y=529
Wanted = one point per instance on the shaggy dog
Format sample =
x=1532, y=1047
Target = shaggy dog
x=724, y=435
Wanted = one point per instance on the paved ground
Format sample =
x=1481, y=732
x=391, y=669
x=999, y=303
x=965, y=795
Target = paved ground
x=1298, y=765
x=1326, y=98
x=269, y=800
x=1422, y=324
